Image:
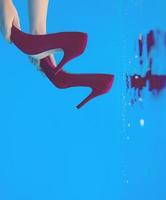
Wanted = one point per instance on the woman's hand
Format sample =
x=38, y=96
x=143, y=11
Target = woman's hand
x=8, y=17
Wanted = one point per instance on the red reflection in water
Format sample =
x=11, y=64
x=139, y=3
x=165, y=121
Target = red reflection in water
x=150, y=41
x=140, y=44
x=154, y=82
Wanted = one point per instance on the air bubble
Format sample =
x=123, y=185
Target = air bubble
x=142, y=122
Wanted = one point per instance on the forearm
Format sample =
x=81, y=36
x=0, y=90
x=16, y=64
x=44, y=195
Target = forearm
x=37, y=15
x=5, y=1
x=8, y=17
x=4, y=4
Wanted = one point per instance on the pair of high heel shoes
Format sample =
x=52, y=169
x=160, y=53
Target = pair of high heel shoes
x=73, y=44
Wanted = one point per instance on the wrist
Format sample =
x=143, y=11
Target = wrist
x=3, y=2
x=38, y=31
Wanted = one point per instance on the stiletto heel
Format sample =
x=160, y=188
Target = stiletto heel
x=96, y=93
x=88, y=98
x=99, y=83
x=30, y=44
x=39, y=46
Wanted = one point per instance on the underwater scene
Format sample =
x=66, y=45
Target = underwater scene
x=111, y=147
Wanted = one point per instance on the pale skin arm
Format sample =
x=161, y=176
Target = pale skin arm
x=37, y=17
x=8, y=16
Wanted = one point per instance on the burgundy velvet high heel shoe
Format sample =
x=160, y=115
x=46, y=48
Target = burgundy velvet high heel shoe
x=38, y=44
x=99, y=83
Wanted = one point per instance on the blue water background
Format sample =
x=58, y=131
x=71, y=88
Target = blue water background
x=48, y=148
